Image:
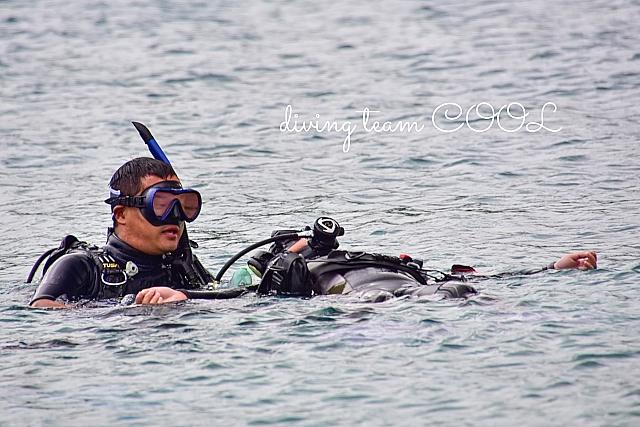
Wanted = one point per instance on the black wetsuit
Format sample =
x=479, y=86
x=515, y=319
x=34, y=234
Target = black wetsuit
x=373, y=284
x=379, y=284
x=371, y=277
x=77, y=275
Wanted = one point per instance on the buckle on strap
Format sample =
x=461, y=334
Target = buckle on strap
x=112, y=273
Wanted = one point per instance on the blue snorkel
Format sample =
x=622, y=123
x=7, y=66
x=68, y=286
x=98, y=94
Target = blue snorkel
x=196, y=273
x=148, y=139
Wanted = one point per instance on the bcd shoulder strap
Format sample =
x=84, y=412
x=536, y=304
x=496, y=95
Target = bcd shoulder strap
x=286, y=274
x=110, y=272
x=68, y=242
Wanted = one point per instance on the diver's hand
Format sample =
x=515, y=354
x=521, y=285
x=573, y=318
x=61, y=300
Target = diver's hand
x=47, y=303
x=579, y=260
x=298, y=246
x=159, y=295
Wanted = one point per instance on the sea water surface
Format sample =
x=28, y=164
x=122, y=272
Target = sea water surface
x=212, y=80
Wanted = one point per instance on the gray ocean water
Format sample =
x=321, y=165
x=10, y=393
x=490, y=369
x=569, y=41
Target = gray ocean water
x=212, y=80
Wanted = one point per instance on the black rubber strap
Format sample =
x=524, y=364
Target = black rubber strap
x=222, y=294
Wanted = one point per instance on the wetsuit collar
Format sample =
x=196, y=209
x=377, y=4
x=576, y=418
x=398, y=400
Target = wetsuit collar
x=123, y=251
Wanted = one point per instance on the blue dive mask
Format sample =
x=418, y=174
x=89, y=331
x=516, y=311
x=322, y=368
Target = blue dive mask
x=163, y=203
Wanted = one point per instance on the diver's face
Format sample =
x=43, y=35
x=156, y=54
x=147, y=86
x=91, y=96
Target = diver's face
x=136, y=231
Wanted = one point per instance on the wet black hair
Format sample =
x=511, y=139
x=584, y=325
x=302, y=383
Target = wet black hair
x=128, y=178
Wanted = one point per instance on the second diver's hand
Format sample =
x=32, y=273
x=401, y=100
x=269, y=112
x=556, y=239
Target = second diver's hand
x=577, y=260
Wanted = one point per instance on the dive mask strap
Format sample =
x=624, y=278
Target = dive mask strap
x=132, y=201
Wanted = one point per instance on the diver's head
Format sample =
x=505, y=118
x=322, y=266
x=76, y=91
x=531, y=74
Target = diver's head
x=128, y=178
x=150, y=206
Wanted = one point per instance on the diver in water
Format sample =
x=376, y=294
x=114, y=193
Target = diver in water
x=313, y=265
x=148, y=254
x=147, y=246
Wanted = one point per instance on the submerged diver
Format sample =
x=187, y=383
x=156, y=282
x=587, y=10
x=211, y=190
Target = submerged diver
x=313, y=265
x=146, y=247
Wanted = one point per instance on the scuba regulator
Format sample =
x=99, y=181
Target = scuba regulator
x=322, y=241
x=325, y=235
